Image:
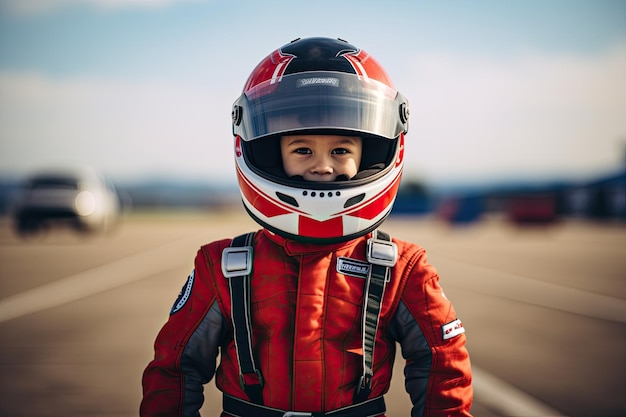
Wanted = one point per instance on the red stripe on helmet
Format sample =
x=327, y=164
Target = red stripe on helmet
x=368, y=67
x=259, y=200
x=325, y=229
x=375, y=204
x=271, y=68
x=378, y=204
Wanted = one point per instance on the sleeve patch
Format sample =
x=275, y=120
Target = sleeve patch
x=184, y=294
x=452, y=329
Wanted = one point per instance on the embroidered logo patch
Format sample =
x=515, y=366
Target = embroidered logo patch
x=184, y=294
x=353, y=267
x=452, y=329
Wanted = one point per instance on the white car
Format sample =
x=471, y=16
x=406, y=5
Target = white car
x=79, y=197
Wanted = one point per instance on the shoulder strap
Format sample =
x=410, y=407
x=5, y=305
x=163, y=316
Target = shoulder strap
x=382, y=254
x=237, y=268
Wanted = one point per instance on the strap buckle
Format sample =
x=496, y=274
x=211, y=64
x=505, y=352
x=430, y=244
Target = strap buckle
x=251, y=379
x=237, y=261
x=381, y=252
x=365, y=387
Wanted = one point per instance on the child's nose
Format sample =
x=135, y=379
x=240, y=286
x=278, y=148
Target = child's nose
x=322, y=165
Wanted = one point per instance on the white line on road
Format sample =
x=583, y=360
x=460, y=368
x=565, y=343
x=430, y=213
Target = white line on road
x=532, y=291
x=493, y=392
x=99, y=279
x=506, y=400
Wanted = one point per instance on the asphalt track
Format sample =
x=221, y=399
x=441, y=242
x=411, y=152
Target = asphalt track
x=544, y=309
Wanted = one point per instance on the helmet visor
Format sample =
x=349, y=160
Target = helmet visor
x=320, y=101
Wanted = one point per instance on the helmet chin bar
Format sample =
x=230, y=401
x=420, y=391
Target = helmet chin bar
x=316, y=240
x=306, y=214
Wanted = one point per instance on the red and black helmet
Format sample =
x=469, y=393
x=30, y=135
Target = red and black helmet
x=319, y=86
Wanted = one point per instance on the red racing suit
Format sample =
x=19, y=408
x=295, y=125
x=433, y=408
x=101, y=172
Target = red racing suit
x=306, y=320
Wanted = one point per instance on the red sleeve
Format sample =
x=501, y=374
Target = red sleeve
x=449, y=390
x=165, y=376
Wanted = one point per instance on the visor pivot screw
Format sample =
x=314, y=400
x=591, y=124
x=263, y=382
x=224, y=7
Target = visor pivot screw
x=236, y=115
x=404, y=113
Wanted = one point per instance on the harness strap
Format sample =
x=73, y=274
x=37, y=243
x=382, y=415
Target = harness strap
x=240, y=408
x=237, y=267
x=382, y=254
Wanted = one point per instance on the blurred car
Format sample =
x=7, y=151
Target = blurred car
x=533, y=208
x=78, y=197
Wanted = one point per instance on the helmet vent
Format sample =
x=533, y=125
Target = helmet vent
x=287, y=199
x=353, y=200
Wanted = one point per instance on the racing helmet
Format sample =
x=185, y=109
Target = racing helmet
x=319, y=86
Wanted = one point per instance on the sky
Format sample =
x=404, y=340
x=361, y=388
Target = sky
x=530, y=90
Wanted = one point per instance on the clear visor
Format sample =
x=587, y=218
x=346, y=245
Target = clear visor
x=320, y=100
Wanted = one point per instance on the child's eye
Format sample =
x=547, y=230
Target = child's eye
x=340, y=151
x=303, y=151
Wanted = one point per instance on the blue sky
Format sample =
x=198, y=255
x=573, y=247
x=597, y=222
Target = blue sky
x=499, y=90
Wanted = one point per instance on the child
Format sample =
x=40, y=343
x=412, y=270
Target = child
x=305, y=314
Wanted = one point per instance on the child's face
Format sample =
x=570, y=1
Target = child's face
x=321, y=157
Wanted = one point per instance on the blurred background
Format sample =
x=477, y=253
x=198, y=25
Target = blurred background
x=527, y=95
x=115, y=117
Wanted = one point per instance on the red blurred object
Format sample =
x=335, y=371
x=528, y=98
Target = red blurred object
x=532, y=208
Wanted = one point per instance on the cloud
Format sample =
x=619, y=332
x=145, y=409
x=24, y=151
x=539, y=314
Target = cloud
x=532, y=115
x=472, y=118
x=30, y=7
x=119, y=127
